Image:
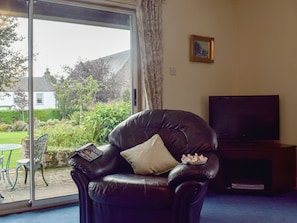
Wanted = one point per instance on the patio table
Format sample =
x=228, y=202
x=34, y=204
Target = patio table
x=10, y=148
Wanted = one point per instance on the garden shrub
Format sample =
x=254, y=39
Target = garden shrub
x=3, y=127
x=9, y=116
x=64, y=135
x=96, y=126
x=75, y=117
x=67, y=135
x=102, y=120
x=46, y=114
x=19, y=126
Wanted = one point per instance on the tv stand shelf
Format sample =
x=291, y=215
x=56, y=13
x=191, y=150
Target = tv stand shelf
x=255, y=167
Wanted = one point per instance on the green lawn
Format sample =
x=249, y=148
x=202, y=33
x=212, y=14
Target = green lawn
x=12, y=138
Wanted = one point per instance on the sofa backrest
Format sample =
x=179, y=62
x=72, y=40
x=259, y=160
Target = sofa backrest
x=182, y=132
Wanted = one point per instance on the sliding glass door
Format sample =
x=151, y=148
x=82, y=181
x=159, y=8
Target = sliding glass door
x=80, y=70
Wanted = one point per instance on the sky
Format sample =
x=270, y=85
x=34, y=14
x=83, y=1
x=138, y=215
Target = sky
x=56, y=44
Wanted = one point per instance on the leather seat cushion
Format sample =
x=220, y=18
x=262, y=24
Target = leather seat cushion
x=131, y=190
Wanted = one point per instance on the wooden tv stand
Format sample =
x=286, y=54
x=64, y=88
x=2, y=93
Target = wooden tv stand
x=255, y=167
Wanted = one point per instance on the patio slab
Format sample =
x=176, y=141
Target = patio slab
x=59, y=182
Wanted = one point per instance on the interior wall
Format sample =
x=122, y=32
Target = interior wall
x=255, y=53
x=268, y=56
x=195, y=81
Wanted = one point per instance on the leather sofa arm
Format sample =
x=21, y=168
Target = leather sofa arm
x=108, y=163
x=182, y=172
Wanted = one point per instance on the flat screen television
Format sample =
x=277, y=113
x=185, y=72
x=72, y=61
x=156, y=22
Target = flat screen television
x=245, y=118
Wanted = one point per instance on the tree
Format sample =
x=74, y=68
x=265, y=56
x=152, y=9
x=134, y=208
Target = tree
x=100, y=69
x=75, y=94
x=12, y=62
x=21, y=101
x=63, y=94
x=88, y=83
x=85, y=92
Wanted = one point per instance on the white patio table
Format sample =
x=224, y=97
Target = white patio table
x=10, y=148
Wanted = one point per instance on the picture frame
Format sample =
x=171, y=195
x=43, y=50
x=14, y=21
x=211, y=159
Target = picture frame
x=201, y=49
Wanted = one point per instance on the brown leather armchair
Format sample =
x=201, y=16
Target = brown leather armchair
x=110, y=191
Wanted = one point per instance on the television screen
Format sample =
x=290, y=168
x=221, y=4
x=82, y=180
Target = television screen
x=245, y=118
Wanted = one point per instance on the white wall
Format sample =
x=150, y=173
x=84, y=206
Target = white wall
x=48, y=99
x=195, y=81
x=6, y=99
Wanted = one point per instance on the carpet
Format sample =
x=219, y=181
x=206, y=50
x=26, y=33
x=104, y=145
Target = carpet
x=69, y=214
x=217, y=208
x=239, y=208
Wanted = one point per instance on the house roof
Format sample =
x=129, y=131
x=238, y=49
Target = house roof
x=118, y=60
x=39, y=84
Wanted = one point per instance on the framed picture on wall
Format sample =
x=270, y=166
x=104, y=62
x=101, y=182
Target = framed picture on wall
x=201, y=49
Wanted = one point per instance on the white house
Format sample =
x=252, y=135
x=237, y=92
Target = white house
x=43, y=97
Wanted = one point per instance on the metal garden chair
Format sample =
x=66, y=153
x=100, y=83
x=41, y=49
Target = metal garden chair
x=39, y=150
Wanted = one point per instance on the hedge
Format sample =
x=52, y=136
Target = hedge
x=10, y=116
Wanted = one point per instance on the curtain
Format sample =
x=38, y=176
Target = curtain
x=149, y=24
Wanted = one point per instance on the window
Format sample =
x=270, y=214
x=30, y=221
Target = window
x=39, y=98
x=49, y=12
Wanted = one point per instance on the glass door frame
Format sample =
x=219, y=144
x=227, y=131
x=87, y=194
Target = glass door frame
x=32, y=203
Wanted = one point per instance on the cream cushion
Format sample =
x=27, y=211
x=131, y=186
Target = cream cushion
x=150, y=157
